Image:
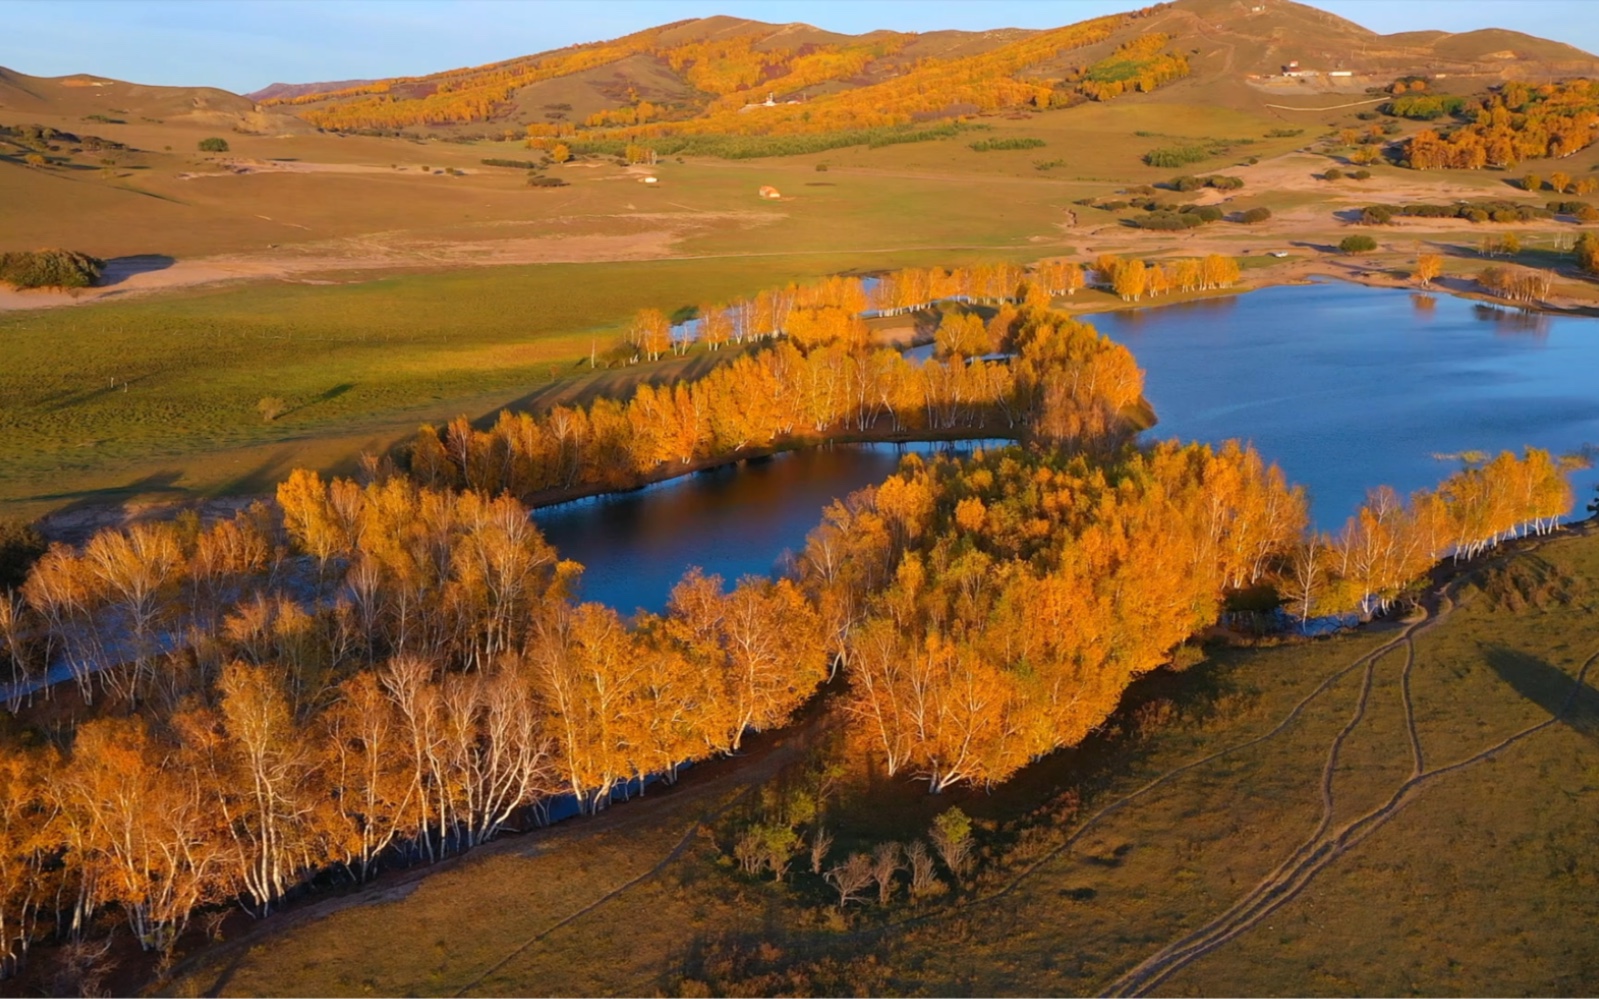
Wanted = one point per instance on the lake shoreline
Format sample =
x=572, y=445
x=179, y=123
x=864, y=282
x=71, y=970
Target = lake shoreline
x=1367, y=272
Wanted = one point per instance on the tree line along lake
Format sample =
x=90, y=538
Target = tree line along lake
x=1346, y=387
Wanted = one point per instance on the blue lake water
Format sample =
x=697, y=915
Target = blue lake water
x=1345, y=387
x=1348, y=387
x=733, y=521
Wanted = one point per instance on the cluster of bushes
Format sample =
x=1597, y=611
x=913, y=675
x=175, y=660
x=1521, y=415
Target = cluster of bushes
x=1255, y=215
x=1580, y=209
x=39, y=137
x=214, y=144
x=993, y=145
x=539, y=180
x=1482, y=211
x=1357, y=244
x=50, y=269
x=1186, y=217
x=1333, y=173
x=1176, y=156
x=1219, y=182
x=1285, y=133
x=1423, y=107
x=513, y=164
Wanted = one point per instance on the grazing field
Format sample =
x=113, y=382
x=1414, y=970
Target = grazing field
x=1404, y=809
x=358, y=285
x=160, y=396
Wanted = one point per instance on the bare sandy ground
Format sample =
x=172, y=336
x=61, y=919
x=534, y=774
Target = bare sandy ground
x=653, y=237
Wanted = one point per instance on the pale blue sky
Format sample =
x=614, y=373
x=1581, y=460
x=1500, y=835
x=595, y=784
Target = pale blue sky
x=242, y=45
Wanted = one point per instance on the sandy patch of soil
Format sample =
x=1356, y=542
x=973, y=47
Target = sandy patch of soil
x=238, y=167
x=649, y=236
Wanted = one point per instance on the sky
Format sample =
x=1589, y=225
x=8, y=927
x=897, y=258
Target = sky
x=243, y=45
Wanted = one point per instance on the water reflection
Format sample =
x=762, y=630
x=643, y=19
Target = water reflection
x=732, y=521
x=1508, y=320
x=1134, y=318
x=1324, y=380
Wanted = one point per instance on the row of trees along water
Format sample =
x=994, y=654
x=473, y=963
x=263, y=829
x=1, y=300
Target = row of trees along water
x=385, y=672
x=996, y=608
x=823, y=381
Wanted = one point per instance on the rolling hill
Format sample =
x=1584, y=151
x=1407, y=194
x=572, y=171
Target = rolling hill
x=98, y=98
x=695, y=76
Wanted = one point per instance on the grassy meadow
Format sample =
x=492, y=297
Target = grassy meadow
x=160, y=396
x=354, y=285
x=1480, y=879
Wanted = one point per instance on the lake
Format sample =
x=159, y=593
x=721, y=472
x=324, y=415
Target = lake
x=1348, y=387
x=733, y=521
x=1345, y=387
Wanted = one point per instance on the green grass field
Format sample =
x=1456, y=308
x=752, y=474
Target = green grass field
x=370, y=311
x=159, y=396
x=1480, y=881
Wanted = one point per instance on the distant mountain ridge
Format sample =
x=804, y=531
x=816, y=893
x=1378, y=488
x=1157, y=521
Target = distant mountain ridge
x=282, y=90
x=693, y=70
x=701, y=75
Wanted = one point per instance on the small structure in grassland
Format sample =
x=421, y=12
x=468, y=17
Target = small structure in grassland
x=649, y=180
x=770, y=193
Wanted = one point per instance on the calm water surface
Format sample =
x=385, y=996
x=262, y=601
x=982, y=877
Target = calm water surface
x=1345, y=387
x=1348, y=387
x=731, y=521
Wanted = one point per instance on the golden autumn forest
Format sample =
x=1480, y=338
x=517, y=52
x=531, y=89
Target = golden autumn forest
x=750, y=509
x=394, y=667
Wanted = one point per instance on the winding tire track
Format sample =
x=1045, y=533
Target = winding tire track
x=1314, y=855
x=1368, y=659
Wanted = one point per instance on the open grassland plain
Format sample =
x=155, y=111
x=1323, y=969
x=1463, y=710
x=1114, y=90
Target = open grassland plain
x=160, y=397
x=1403, y=809
x=356, y=285
x=361, y=333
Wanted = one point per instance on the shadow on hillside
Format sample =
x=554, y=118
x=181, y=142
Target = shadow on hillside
x=1549, y=688
x=119, y=269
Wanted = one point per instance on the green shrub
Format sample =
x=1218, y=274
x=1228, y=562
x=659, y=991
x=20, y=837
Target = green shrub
x=1423, y=107
x=1255, y=215
x=1376, y=215
x=1357, y=244
x=213, y=145
x=1169, y=221
x=993, y=145
x=1176, y=156
x=1361, y=174
x=535, y=180
x=1332, y=173
x=516, y=164
x=50, y=269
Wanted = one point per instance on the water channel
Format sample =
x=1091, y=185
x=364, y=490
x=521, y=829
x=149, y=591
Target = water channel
x=1345, y=387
